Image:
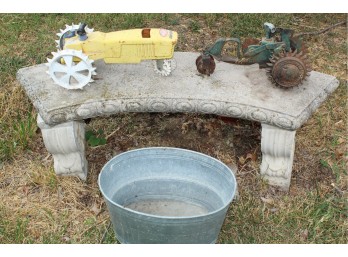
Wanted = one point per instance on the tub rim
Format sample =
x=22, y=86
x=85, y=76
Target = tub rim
x=205, y=216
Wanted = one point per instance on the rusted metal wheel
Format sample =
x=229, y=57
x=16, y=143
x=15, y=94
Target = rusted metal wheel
x=289, y=69
x=205, y=64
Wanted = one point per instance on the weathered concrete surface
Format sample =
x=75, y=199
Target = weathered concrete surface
x=232, y=90
x=278, y=148
x=236, y=91
x=66, y=142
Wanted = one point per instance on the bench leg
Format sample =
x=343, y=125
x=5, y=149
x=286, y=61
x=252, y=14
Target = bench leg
x=66, y=142
x=278, y=147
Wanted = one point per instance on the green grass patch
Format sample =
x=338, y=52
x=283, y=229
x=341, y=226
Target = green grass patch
x=309, y=218
x=95, y=138
x=13, y=231
x=19, y=135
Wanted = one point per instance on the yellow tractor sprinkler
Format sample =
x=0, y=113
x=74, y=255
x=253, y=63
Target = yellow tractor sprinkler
x=78, y=46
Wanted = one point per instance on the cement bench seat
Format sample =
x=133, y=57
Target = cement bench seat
x=232, y=90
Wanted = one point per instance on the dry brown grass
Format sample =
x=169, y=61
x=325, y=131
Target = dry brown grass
x=64, y=207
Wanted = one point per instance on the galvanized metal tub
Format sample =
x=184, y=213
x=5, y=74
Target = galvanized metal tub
x=166, y=195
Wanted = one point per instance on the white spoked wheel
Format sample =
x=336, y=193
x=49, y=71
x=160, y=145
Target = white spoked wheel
x=68, y=28
x=71, y=69
x=164, y=67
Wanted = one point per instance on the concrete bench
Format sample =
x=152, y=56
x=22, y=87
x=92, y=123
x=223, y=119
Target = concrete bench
x=232, y=90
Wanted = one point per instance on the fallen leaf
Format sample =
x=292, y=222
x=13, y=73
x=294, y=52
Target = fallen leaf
x=304, y=234
x=267, y=200
x=251, y=156
x=341, y=140
x=185, y=127
x=66, y=238
x=341, y=150
x=241, y=160
x=95, y=209
x=339, y=124
x=60, y=193
x=233, y=167
x=26, y=190
x=273, y=209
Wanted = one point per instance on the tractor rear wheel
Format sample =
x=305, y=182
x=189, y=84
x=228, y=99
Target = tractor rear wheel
x=71, y=69
x=289, y=69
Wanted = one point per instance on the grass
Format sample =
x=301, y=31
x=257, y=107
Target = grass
x=306, y=219
x=39, y=207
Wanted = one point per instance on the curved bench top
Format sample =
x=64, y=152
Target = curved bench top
x=232, y=90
